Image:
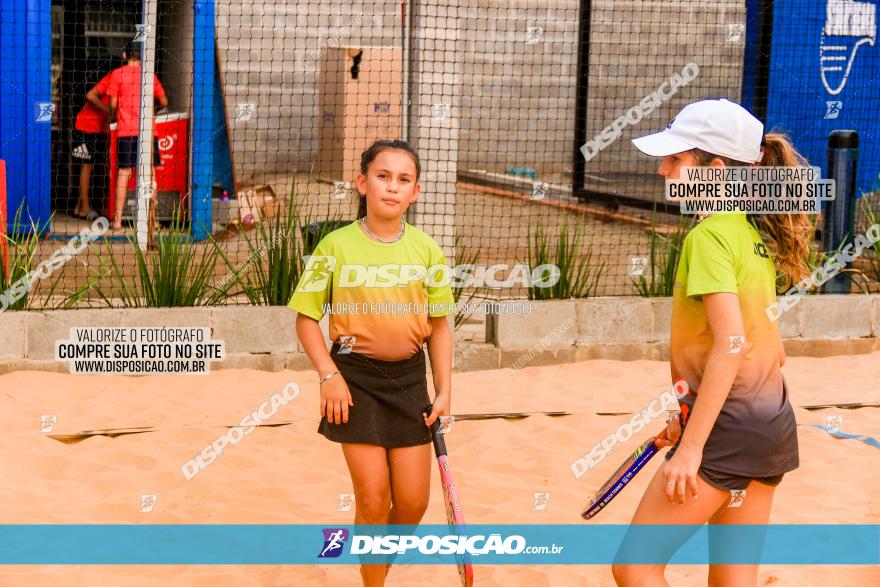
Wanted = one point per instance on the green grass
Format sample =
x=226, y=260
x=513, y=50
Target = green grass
x=21, y=253
x=464, y=256
x=578, y=276
x=269, y=275
x=872, y=217
x=179, y=273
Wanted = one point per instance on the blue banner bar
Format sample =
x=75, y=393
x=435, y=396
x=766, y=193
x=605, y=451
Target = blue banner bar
x=587, y=544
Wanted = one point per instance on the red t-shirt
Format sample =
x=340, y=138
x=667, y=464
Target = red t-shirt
x=90, y=119
x=125, y=85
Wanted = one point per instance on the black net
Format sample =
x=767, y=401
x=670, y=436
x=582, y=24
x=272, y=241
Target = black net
x=521, y=115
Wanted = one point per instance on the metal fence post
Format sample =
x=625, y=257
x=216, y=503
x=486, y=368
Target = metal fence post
x=839, y=214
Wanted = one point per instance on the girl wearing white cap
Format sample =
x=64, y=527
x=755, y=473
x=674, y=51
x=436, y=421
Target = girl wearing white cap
x=739, y=434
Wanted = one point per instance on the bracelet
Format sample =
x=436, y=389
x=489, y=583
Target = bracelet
x=326, y=377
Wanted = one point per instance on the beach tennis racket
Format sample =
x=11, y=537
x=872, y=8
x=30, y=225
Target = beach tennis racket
x=623, y=475
x=451, y=499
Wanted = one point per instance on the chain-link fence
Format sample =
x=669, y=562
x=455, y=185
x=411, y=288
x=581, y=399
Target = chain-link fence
x=521, y=114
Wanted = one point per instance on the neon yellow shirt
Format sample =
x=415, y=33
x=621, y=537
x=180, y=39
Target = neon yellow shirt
x=755, y=432
x=380, y=294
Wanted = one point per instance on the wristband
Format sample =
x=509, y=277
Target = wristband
x=326, y=377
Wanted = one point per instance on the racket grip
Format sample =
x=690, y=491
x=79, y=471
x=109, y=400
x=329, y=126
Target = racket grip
x=436, y=437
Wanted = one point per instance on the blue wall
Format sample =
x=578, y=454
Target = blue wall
x=25, y=83
x=203, y=134
x=798, y=97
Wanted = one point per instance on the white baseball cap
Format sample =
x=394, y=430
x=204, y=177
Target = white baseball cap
x=720, y=127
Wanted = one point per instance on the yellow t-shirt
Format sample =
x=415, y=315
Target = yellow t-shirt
x=380, y=294
x=755, y=432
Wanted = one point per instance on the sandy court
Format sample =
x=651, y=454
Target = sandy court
x=289, y=474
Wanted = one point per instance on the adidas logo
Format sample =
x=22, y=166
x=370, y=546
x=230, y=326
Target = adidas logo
x=81, y=152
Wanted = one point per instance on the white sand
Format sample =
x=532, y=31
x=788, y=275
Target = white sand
x=292, y=475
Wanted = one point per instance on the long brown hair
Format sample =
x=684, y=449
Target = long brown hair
x=789, y=236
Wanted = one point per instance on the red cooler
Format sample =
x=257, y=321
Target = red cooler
x=171, y=177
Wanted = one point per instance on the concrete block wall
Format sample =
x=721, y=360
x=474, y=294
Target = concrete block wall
x=637, y=45
x=628, y=328
x=558, y=331
x=513, y=95
x=264, y=49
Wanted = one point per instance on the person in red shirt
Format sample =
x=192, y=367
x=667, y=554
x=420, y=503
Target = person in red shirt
x=125, y=102
x=90, y=142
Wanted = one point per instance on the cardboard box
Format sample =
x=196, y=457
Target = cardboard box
x=249, y=207
x=255, y=204
x=271, y=206
x=356, y=112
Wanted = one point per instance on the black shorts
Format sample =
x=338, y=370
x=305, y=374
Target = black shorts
x=388, y=397
x=729, y=481
x=127, y=152
x=89, y=147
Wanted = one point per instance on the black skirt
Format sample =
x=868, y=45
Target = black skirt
x=389, y=398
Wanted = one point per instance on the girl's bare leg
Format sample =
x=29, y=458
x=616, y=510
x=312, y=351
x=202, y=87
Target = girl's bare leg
x=371, y=480
x=656, y=509
x=410, y=484
x=755, y=509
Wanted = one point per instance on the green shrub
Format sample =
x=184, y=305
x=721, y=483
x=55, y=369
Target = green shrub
x=578, y=277
x=663, y=257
